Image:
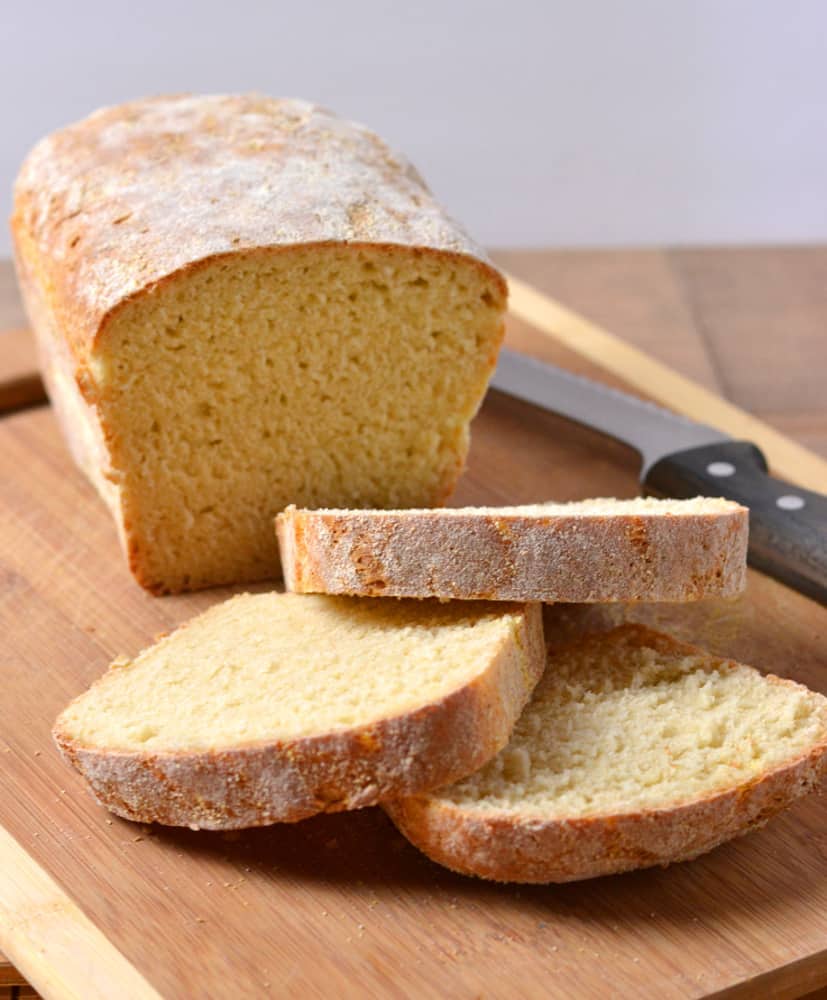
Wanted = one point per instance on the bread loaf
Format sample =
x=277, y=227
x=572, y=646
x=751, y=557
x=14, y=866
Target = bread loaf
x=243, y=302
x=635, y=750
x=591, y=550
x=273, y=707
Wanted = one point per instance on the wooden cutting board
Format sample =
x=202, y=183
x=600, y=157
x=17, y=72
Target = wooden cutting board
x=92, y=906
x=20, y=384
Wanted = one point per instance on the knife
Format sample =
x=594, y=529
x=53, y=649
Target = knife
x=682, y=458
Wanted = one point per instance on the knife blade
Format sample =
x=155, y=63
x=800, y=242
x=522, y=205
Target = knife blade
x=682, y=458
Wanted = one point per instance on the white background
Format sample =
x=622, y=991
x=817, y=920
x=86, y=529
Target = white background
x=537, y=123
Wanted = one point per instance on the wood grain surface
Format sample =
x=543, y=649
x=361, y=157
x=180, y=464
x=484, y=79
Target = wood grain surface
x=664, y=385
x=342, y=904
x=45, y=929
x=20, y=383
x=748, y=323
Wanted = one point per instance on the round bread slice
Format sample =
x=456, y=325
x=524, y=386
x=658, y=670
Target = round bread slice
x=635, y=750
x=590, y=550
x=273, y=707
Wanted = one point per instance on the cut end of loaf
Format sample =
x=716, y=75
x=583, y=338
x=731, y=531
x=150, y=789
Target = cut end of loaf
x=635, y=750
x=273, y=707
x=264, y=304
x=217, y=413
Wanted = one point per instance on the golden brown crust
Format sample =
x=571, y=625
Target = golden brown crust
x=109, y=207
x=289, y=780
x=513, y=557
x=507, y=846
x=509, y=849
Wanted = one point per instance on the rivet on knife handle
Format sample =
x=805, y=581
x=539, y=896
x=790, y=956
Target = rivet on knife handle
x=788, y=525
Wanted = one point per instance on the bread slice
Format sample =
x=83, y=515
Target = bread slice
x=592, y=550
x=243, y=302
x=636, y=750
x=273, y=707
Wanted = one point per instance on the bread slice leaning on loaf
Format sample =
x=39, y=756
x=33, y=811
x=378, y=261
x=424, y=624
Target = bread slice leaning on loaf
x=635, y=750
x=590, y=550
x=243, y=302
x=273, y=707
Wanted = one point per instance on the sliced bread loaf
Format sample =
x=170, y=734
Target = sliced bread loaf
x=273, y=707
x=635, y=750
x=243, y=302
x=592, y=550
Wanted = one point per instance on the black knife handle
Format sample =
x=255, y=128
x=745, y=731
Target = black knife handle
x=787, y=524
